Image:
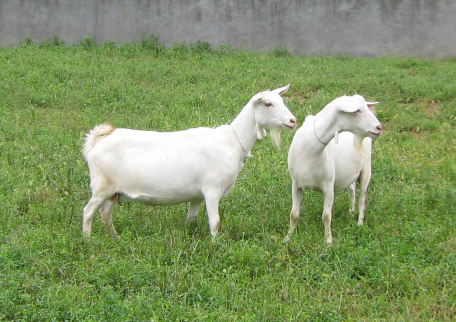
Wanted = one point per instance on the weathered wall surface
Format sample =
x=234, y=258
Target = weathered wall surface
x=425, y=28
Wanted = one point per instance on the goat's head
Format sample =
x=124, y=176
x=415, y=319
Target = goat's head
x=271, y=113
x=357, y=116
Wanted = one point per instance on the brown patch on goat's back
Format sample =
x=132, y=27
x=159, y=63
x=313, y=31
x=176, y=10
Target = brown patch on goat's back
x=97, y=132
x=112, y=130
x=105, y=129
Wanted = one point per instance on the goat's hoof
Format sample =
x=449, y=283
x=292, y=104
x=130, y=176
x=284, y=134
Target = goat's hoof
x=329, y=241
x=217, y=240
x=113, y=233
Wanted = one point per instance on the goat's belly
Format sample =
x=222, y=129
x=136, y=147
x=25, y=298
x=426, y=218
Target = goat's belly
x=343, y=183
x=159, y=200
x=347, y=174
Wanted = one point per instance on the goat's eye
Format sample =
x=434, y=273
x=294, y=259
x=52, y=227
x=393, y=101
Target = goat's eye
x=268, y=104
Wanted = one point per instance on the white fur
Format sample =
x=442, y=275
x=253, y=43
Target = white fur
x=166, y=168
x=330, y=152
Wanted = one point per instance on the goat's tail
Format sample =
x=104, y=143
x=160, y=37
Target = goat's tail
x=93, y=135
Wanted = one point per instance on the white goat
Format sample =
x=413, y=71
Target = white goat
x=322, y=159
x=167, y=168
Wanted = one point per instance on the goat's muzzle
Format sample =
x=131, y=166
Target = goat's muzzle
x=291, y=124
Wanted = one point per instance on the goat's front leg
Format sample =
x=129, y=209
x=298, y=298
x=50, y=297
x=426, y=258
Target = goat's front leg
x=296, y=194
x=327, y=210
x=352, y=194
x=212, y=202
x=193, y=210
x=364, y=180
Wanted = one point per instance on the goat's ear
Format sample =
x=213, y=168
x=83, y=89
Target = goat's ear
x=349, y=108
x=282, y=90
x=259, y=96
x=371, y=106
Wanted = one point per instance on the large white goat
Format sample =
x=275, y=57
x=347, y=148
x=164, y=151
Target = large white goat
x=322, y=159
x=166, y=168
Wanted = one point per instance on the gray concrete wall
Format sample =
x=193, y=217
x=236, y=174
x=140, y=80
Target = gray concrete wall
x=424, y=28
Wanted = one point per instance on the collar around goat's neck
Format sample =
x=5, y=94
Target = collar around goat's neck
x=240, y=143
x=315, y=132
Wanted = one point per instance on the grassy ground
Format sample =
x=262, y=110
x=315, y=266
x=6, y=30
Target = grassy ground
x=400, y=266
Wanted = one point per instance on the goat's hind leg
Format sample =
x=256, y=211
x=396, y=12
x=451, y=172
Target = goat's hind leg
x=352, y=194
x=90, y=210
x=100, y=194
x=193, y=210
x=106, y=215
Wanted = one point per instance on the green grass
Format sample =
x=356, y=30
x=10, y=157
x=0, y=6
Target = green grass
x=401, y=265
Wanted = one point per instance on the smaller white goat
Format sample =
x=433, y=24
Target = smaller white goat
x=322, y=159
x=166, y=168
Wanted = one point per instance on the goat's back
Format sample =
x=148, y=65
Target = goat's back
x=165, y=167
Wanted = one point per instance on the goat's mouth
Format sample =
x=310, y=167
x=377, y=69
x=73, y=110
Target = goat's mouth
x=289, y=127
x=375, y=134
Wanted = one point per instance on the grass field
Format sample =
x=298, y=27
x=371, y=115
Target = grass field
x=400, y=266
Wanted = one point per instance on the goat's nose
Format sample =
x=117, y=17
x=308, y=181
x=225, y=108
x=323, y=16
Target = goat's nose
x=293, y=121
x=379, y=127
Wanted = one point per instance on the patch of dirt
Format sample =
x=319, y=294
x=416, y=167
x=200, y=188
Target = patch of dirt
x=431, y=108
x=300, y=98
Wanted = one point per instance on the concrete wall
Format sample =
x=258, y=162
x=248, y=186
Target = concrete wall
x=425, y=28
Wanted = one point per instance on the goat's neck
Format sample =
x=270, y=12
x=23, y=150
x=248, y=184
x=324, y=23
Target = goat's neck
x=325, y=126
x=245, y=129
